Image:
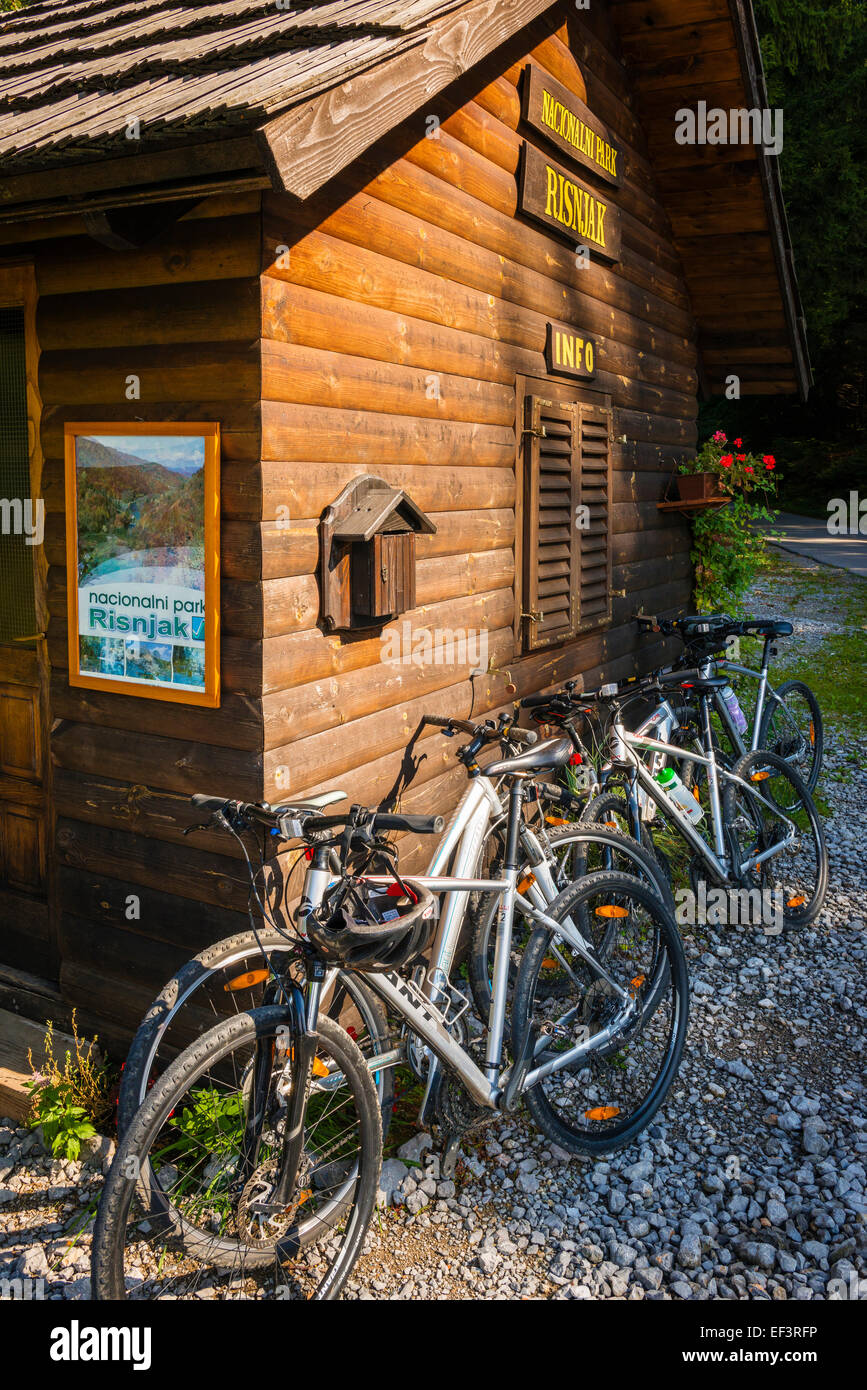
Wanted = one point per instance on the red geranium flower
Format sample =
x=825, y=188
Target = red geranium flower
x=742, y=458
x=768, y=460
x=739, y=443
x=726, y=460
x=771, y=464
x=748, y=469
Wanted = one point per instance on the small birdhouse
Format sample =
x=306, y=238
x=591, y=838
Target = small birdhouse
x=367, y=555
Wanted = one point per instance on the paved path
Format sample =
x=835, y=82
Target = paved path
x=808, y=535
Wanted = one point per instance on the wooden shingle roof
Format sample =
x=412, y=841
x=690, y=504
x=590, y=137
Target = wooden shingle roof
x=76, y=75
x=103, y=106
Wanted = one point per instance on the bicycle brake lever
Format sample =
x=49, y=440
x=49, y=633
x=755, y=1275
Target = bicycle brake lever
x=205, y=825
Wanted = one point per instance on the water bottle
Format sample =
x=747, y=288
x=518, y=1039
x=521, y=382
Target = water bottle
x=732, y=704
x=673, y=787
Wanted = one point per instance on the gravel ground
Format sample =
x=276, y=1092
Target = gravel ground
x=750, y=1185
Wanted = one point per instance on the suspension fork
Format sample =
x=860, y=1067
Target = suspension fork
x=299, y=1040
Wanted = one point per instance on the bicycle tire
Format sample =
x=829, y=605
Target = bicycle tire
x=818, y=727
x=124, y=1178
x=541, y=1110
x=792, y=920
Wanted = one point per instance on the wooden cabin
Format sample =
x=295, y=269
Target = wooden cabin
x=450, y=246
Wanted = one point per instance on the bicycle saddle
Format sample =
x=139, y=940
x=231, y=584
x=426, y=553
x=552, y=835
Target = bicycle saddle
x=313, y=803
x=542, y=757
x=768, y=628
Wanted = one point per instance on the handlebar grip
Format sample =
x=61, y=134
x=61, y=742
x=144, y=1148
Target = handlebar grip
x=525, y=736
x=440, y=721
x=422, y=825
x=532, y=701
x=208, y=803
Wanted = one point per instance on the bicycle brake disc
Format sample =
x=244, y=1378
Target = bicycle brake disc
x=260, y=1223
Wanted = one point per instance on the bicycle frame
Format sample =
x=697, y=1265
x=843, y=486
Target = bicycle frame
x=626, y=748
x=419, y=1006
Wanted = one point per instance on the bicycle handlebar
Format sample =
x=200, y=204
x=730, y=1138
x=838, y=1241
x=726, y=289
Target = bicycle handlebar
x=307, y=821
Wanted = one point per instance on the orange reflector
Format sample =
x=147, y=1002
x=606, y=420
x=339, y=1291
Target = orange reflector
x=759, y=776
x=609, y=910
x=319, y=1068
x=796, y=902
x=612, y=824
x=556, y=820
x=637, y=982
x=526, y=882
x=812, y=732
x=695, y=793
x=602, y=1112
x=549, y=963
x=304, y=1196
x=246, y=981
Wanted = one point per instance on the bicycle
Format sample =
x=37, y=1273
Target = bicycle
x=749, y=828
x=232, y=975
x=230, y=1176
x=786, y=721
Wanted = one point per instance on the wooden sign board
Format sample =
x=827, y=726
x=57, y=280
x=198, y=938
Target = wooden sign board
x=142, y=553
x=555, y=197
x=568, y=123
x=568, y=353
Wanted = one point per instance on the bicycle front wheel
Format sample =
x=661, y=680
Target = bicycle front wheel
x=228, y=978
x=626, y=1008
x=186, y=1202
x=792, y=728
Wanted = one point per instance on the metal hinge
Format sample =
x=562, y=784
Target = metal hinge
x=537, y=431
x=533, y=616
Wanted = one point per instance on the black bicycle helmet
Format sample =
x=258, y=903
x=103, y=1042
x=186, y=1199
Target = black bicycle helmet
x=375, y=930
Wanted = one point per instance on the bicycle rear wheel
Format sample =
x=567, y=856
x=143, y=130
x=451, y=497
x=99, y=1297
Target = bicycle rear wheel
x=779, y=811
x=576, y=850
x=185, y=1203
x=632, y=999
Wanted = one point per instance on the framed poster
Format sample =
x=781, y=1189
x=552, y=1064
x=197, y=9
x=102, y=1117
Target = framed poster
x=142, y=559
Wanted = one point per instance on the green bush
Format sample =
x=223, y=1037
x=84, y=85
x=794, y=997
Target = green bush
x=71, y=1102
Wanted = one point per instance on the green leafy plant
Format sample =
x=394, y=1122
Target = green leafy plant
x=73, y=1100
x=728, y=549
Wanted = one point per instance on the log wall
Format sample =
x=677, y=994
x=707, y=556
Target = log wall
x=416, y=270
x=132, y=896
x=396, y=336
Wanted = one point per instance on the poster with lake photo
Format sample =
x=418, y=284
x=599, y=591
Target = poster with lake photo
x=140, y=502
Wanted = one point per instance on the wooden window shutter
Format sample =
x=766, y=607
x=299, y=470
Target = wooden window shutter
x=567, y=565
x=551, y=551
x=594, y=492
